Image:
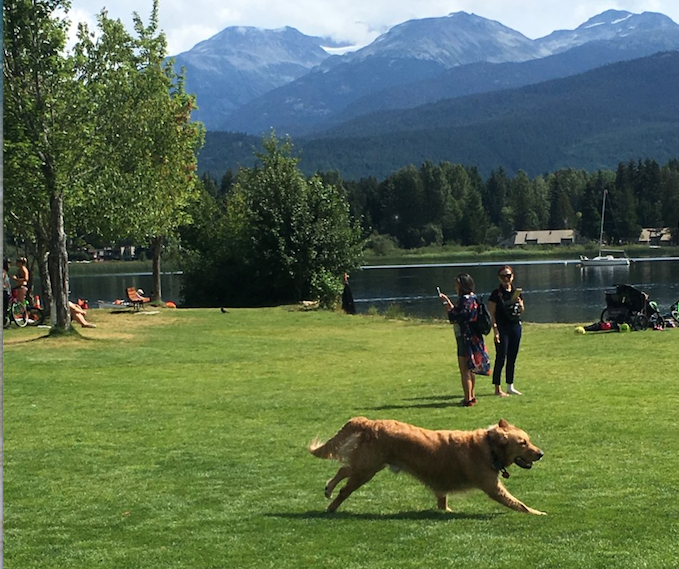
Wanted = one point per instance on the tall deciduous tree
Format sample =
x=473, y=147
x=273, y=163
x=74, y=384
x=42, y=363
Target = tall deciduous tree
x=98, y=140
x=288, y=238
x=150, y=177
x=42, y=136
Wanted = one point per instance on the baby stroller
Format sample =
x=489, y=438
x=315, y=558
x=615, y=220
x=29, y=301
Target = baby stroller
x=674, y=311
x=629, y=305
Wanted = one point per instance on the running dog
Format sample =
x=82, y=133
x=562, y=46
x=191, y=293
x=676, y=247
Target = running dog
x=444, y=461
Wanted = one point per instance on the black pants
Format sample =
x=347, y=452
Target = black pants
x=507, y=349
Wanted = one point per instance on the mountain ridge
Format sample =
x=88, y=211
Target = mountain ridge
x=322, y=96
x=619, y=112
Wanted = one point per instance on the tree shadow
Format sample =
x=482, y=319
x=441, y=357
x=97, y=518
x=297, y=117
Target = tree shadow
x=71, y=335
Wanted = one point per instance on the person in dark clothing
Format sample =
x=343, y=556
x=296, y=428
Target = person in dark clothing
x=347, y=297
x=6, y=286
x=506, y=309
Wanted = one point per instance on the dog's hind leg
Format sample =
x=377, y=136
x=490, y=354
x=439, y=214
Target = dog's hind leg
x=500, y=494
x=342, y=473
x=356, y=480
x=442, y=502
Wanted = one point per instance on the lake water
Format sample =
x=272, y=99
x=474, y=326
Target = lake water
x=111, y=286
x=554, y=291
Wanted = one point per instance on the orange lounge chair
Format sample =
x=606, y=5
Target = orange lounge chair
x=136, y=300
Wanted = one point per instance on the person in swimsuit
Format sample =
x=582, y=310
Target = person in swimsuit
x=21, y=279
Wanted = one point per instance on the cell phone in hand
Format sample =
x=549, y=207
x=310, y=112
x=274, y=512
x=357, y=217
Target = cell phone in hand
x=443, y=300
x=516, y=294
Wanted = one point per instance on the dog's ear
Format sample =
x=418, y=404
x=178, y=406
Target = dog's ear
x=503, y=424
x=497, y=436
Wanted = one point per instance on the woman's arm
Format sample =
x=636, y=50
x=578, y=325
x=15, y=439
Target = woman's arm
x=449, y=306
x=492, y=308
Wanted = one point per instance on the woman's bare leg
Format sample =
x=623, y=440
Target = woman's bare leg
x=467, y=378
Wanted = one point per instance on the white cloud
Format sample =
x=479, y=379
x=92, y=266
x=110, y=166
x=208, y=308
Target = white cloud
x=183, y=39
x=187, y=23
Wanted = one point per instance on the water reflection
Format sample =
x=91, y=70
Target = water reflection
x=554, y=291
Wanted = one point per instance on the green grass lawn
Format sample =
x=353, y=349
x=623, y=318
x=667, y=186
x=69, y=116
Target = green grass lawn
x=178, y=439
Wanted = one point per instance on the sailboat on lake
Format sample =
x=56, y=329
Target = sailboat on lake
x=604, y=260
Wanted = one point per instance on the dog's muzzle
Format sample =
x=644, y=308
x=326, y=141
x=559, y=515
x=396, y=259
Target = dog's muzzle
x=527, y=464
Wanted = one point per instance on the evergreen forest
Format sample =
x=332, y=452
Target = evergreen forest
x=448, y=203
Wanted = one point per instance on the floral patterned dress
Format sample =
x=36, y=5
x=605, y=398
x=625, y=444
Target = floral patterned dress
x=462, y=315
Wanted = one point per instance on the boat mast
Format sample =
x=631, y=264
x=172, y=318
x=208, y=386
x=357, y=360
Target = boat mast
x=601, y=231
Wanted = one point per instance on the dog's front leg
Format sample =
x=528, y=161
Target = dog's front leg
x=500, y=494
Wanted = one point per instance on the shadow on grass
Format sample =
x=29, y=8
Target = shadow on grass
x=425, y=515
x=430, y=402
x=71, y=335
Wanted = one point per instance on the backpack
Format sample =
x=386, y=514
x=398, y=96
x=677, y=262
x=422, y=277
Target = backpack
x=483, y=323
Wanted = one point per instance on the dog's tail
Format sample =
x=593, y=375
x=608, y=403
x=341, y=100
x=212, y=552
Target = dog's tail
x=342, y=444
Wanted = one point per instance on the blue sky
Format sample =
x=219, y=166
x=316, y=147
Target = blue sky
x=187, y=22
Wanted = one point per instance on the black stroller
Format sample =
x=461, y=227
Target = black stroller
x=628, y=305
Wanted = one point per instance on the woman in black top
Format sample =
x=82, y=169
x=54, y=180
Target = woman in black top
x=506, y=307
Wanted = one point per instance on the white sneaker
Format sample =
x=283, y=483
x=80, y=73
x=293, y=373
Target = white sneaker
x=512, y=391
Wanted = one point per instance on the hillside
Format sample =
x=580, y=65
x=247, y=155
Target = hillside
x=594, y=120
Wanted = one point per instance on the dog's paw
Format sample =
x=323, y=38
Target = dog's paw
x=536, y=512
x=327, y=492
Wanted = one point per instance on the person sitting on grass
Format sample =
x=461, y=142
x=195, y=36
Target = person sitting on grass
x=78, y=314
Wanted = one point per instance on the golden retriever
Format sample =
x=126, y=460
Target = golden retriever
x=444, y=461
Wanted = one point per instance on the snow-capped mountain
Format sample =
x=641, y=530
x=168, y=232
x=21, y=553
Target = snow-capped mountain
x=250, y=80
x=241, y=63
x=416, y=50
x=456, y=39
x=613, y=25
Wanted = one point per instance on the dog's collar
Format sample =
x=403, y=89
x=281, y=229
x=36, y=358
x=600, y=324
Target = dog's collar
x=497, y=464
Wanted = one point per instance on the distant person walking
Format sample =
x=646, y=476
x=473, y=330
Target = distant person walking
x=472, y=356
x=347, y=298
x=506, y=309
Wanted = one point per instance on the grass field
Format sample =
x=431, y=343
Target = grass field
x=178, y=439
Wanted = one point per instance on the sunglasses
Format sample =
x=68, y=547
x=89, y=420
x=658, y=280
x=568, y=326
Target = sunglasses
x=505, y=275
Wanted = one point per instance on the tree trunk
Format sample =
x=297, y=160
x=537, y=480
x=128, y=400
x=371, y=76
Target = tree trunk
x=156, y=248
x=42, y=245
x=58, y=263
